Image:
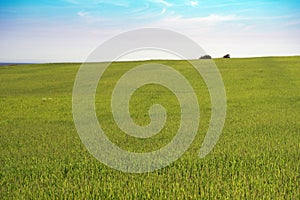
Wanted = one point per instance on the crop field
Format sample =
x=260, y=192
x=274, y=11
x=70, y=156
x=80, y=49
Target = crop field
x=257, y=155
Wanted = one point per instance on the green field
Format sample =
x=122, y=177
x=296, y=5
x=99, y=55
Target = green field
x=256, y=157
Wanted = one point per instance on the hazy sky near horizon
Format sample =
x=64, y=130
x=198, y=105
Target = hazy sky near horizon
x=68, y=30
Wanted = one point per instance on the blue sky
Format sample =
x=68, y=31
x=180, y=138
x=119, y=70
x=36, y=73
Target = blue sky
x=68, y=30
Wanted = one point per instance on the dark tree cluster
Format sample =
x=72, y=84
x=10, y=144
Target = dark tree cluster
x=205, y=57
x=226, y=56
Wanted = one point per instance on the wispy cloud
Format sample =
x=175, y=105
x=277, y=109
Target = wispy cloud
x=274, y=17
x=143, y=8
x=195, y=25
x=292, y=23
x=218, y=18
x=119, y=3
x=234, y=4
x=89, y=18
x=165, y=3
x=83, y=14
x=210, y=19
x=164, y=10
x=72, y=1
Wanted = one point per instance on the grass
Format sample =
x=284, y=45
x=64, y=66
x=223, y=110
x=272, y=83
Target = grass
x=257, y=156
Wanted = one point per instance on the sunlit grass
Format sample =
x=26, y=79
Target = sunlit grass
x=257, y=156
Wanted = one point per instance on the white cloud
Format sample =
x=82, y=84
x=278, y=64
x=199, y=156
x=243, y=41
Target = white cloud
x=193, y=3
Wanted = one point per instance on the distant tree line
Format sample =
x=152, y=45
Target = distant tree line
x=209, y=57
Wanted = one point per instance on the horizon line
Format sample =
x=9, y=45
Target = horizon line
x=135, y=60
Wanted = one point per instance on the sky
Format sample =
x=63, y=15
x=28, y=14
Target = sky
x=69, y=30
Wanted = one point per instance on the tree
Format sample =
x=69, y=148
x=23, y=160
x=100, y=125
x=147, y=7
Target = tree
x=205, y=57
x=226, y=56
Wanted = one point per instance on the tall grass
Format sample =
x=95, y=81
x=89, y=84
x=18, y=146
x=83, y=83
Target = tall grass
x=257, y=156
